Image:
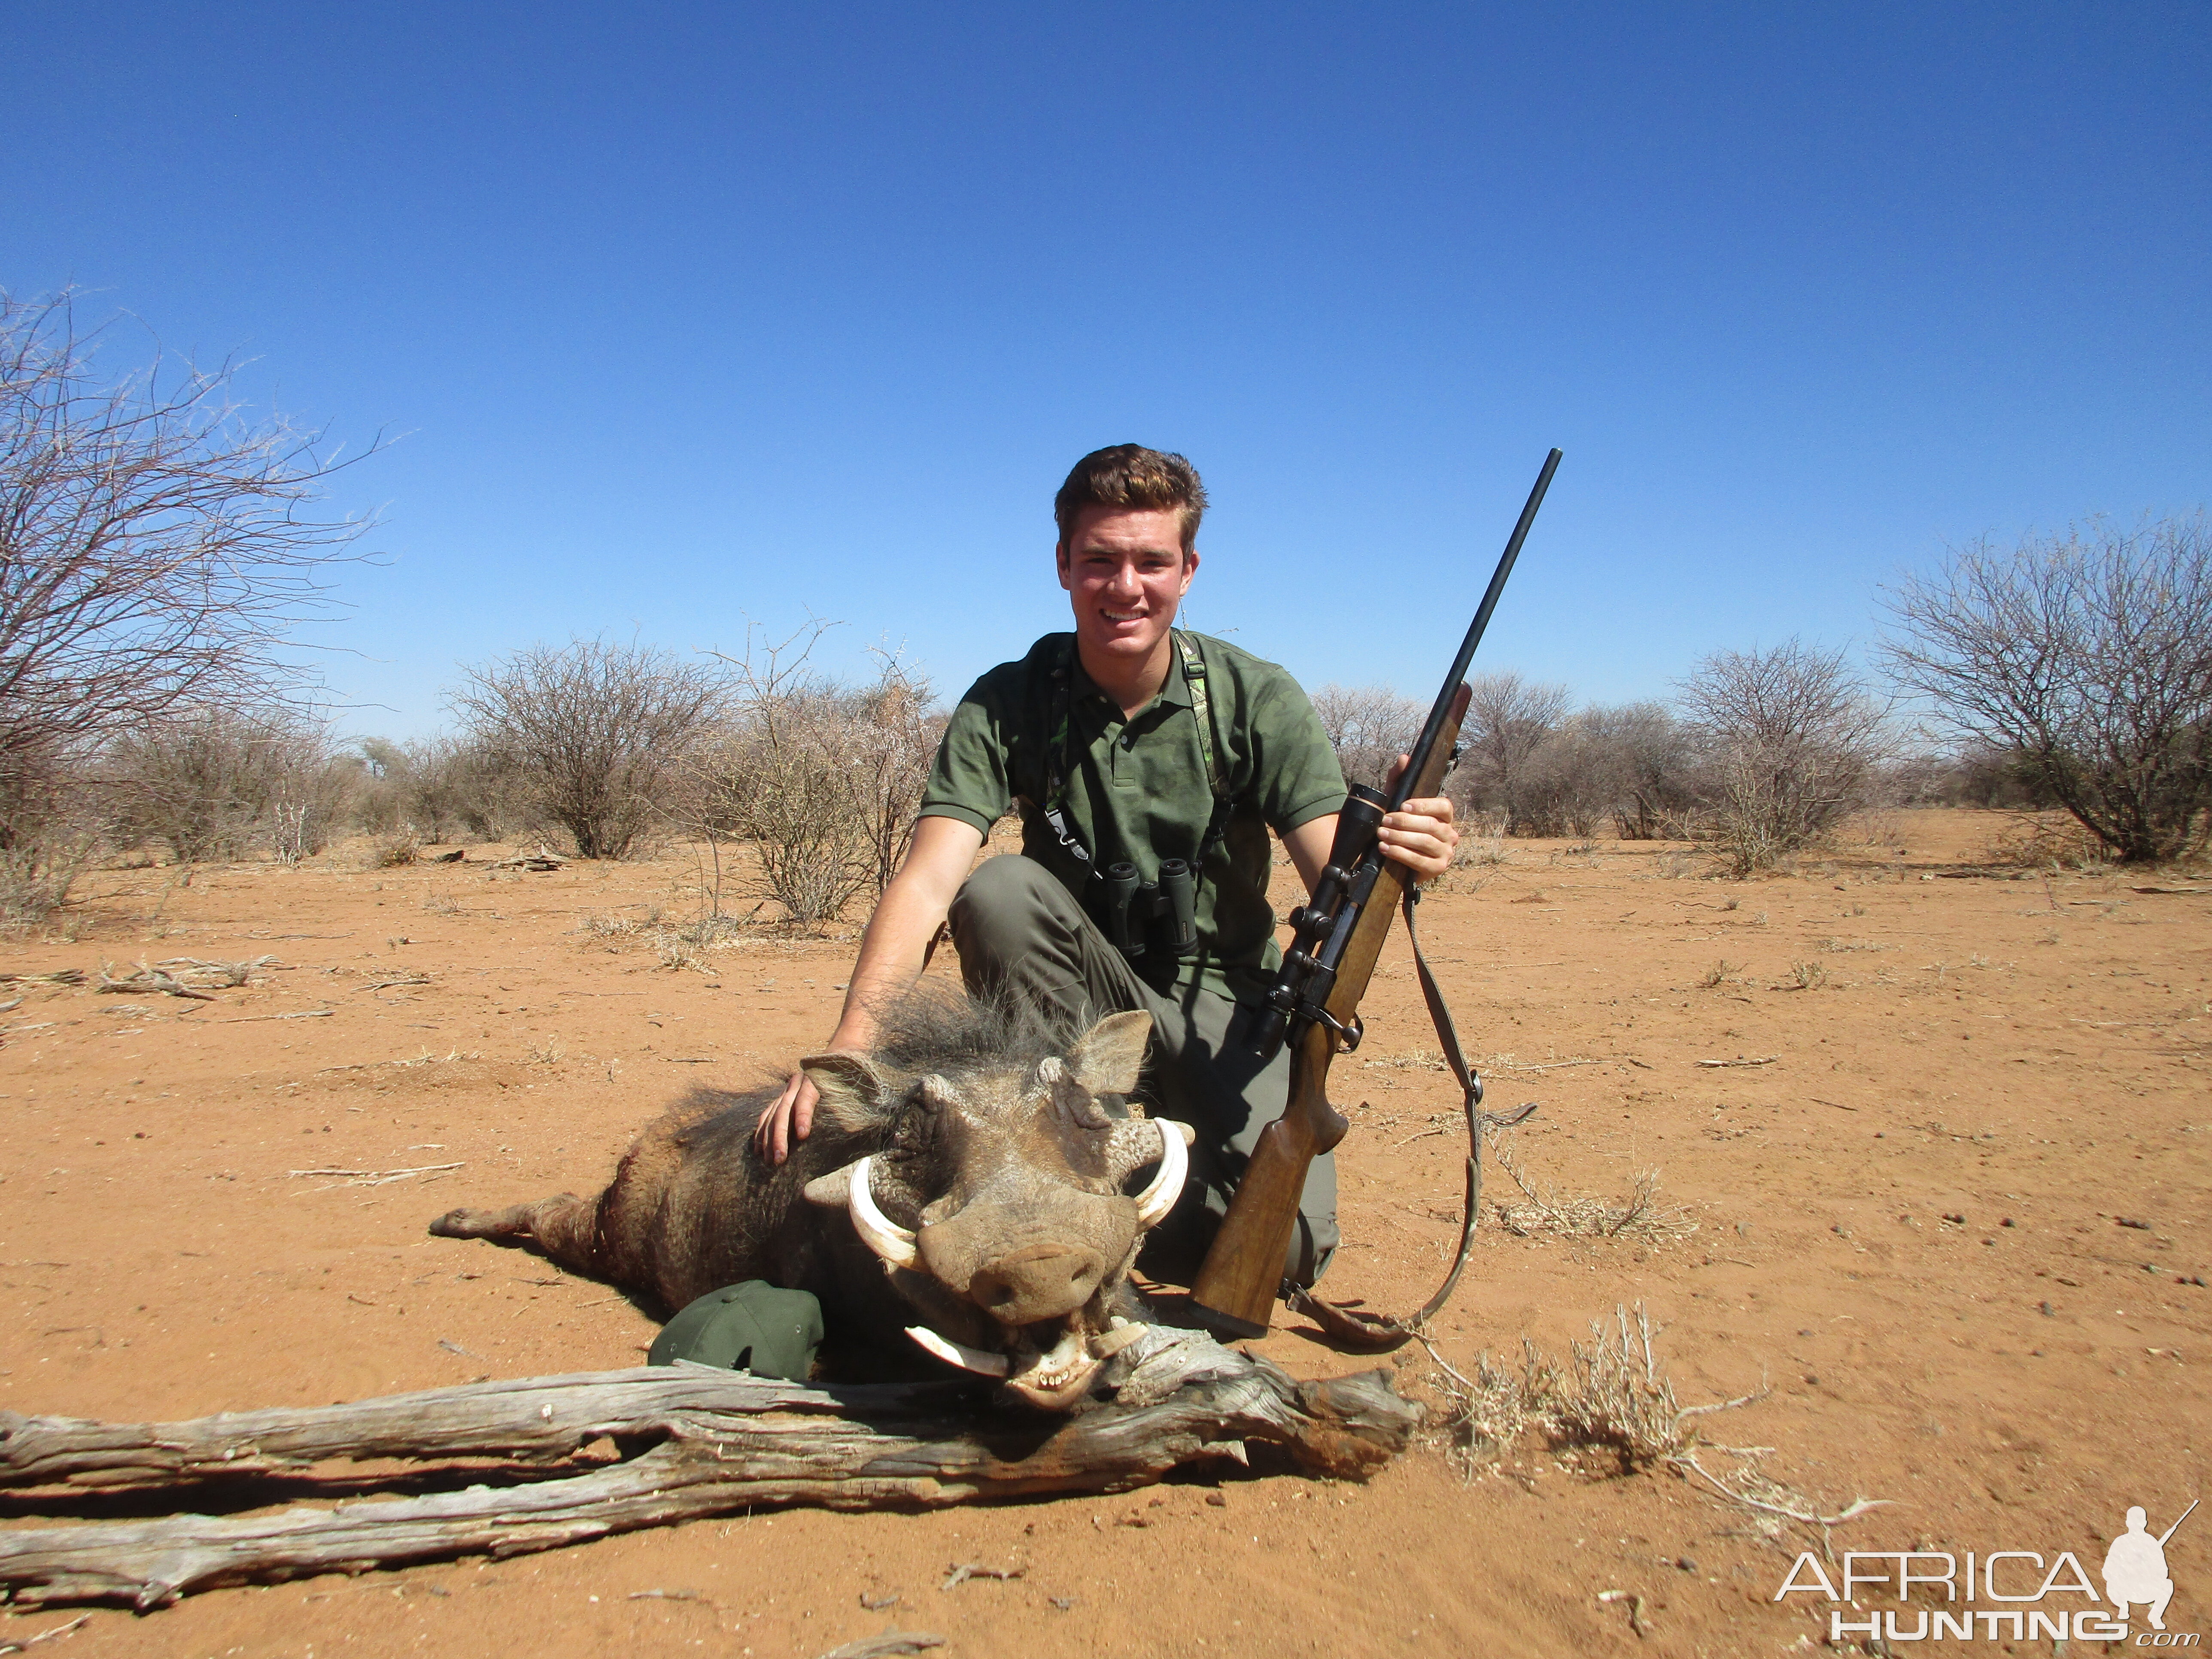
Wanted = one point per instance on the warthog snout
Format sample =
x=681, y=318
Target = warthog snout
x=1044, y=1281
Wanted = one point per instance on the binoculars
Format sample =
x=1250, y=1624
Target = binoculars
x=1159, y=914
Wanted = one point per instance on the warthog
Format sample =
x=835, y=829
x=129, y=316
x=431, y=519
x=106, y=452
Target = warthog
x=964, y=1183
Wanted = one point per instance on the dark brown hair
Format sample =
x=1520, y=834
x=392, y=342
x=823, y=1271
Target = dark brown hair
x=1131, y=475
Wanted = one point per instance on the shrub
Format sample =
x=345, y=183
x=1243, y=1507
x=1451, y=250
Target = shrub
x=2085, y=661
x=824, y=779
x=1369, y=726
x=1509, y=720
x=218, y=782
x=47, y=835
x=1790, y=739
x=593, y=735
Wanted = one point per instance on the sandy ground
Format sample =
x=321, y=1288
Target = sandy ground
x=1916, y=1225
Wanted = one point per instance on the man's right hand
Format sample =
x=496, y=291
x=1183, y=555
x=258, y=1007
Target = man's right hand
x=788, y=1120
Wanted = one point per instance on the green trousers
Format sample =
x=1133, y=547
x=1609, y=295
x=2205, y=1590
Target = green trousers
x=1020, y=933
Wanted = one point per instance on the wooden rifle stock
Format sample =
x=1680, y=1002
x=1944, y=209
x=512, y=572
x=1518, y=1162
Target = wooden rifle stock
x=1235, y=1292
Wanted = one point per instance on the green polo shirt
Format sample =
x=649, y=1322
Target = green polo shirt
x=1138, y=789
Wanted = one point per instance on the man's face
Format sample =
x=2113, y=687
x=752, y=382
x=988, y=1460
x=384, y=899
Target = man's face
x=1125, y=573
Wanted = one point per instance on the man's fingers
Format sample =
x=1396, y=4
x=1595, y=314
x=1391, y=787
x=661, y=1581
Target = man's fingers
x=1421, y=840
x=771, y=1137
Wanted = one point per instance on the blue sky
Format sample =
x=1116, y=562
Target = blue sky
x=690, y=314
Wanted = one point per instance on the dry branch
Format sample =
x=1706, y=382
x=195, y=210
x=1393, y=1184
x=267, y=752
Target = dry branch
x=718, y=1442
x=889, y=1645
x=374, y=1177
x=148, y=980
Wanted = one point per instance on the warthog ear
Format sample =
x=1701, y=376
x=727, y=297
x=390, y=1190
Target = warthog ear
x=832, y=1191
x=852, y=1091
x=1107, y=1058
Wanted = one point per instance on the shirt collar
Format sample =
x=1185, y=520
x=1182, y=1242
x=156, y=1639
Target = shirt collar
x=1174, y=694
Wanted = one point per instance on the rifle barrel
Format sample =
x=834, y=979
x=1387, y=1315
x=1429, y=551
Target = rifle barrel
x=1439, y=711
x=2178, y=1520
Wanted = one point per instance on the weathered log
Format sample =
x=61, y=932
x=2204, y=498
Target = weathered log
x=530, y=1419
x=724, y=1442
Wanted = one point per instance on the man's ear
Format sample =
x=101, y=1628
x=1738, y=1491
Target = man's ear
x=1189, y=569
x=1107, y=1058
x=852, y=1091
x=1060, y=565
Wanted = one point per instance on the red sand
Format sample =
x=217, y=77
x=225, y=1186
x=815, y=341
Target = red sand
x=1980, y=1050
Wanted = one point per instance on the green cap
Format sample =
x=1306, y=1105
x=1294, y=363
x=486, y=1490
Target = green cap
x=753, y=1327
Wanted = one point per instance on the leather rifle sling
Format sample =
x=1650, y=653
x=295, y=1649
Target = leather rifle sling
x=1352, y=1326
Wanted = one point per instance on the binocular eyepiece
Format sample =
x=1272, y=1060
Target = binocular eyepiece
x=1140, y=914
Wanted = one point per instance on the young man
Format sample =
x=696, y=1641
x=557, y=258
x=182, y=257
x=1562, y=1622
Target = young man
x=1129, y=743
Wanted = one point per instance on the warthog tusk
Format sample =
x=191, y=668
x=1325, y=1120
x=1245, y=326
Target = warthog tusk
x=892, y=1243
x=1107, y=1344
x=1157, y=1198
x=952, y=1353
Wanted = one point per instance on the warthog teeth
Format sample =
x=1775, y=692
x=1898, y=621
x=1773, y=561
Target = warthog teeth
x=1159, y=1197
x=887, y=1239
x=953, y=1354
x=1070, y=1358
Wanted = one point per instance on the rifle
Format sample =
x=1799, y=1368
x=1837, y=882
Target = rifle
x=1314, y=1003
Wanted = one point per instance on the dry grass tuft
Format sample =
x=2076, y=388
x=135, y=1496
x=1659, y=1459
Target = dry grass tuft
x=1479, y=852
x=2033, y=843
x=1720, y=973
x=1542, y=1209
x=1607, y=1410
x=401, y=847
x=1419, y=1059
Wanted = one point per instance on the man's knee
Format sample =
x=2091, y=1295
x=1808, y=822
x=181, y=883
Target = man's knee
x=1001, y=908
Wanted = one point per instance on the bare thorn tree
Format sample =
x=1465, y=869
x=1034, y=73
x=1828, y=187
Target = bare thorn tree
x=1508, y=720
x=894, y=739
x=596, y=734
x=214, y=782
x=1791, y=737
x=824, y=779
x=155, y=544
x=2086, y=658
x=1369, y=726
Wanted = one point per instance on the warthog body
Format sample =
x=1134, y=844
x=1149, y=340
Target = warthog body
x=963, y=1186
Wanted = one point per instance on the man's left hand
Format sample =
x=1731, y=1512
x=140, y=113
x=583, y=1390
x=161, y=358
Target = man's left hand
x=1420, y=836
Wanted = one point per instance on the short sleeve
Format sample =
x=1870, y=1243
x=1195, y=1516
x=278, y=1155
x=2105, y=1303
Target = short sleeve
x=1297, y=779
x=969, y=780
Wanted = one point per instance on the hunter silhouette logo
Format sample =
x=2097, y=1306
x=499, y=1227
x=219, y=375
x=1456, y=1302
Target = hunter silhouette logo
x=2135, y=1568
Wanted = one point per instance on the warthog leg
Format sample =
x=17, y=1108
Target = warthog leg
x=562, y=1226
